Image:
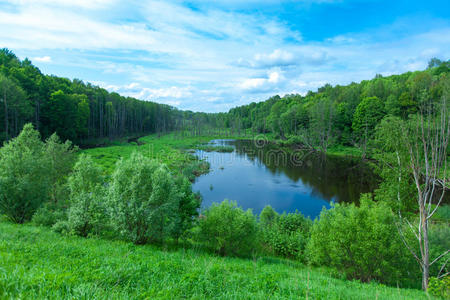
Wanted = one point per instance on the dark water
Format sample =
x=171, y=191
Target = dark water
x=257, y=175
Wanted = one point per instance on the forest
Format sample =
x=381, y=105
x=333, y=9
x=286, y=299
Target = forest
x=142, y=208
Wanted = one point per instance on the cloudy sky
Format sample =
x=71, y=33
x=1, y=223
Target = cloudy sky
x=214, y=55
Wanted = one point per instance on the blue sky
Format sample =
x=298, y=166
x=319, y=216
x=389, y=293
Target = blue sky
x=214, y=55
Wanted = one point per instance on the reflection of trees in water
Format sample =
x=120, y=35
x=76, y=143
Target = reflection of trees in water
x=341, y=178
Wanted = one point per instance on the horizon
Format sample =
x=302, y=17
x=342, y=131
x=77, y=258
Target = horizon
x=211, y=57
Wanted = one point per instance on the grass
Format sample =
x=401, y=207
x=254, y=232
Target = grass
x=215, y=148
x=36, y=263
x=168, y=149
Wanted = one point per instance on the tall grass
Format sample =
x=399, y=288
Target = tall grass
x=36, y=263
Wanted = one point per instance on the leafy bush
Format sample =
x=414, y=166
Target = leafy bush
x=23, y=178
x=439, y=234
x=227, y=229
x=143, y=200
x=49, y=214
x=284, y=235
x=87, y=211
x=188, y=206
x=60, y=160
x=62, y=227
x=362, y=242
x=439, y=287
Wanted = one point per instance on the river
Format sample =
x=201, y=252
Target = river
x=259, y=174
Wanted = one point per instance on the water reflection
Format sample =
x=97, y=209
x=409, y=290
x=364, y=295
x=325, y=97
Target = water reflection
x=260, y=175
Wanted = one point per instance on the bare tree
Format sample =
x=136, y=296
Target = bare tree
x=425, y=141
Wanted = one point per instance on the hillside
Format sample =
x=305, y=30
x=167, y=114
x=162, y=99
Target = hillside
x=37, y=263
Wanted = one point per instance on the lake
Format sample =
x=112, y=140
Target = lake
x=258, y=174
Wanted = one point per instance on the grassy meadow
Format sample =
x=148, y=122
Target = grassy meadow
x=36, y=263
x=169, y=149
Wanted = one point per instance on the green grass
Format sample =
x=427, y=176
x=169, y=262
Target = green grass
x=168, y=149
x=36, y=263
x=210, y=148
x=340, y=150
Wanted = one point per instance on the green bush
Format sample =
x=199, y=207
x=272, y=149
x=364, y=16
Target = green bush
x=143, y=200
x=439, y=234
x=363, y=243
x=227, y=229
x=284, y=235
x=87, y=211
x=62, y=227
x=187, y=209
x=49, y=214
x=439, y=287
x=23, y=178
x=60, y=158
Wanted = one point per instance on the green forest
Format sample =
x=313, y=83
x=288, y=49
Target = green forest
x=119, y=221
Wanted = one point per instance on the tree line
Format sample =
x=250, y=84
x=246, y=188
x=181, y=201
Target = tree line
x=75, y=110
x=340, y=115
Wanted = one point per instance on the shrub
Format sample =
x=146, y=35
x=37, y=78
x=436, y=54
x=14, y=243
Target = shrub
x=439, y=287
x=227, y=229
x=143, y=200
x=439, y=234
x=62, y=227
x=188, y=206
x=87, y=212
x=361, y=242
x=284, y=235
x=23, y=180
x=49, y=214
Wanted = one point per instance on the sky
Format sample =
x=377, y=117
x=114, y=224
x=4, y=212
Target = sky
x=214, y=55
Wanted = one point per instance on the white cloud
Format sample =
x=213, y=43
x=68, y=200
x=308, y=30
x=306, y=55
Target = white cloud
x=44, y=59
x=209, y=59
x=262, y=84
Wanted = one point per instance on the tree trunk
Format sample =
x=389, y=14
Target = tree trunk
x=426, y=251
x=6, y=114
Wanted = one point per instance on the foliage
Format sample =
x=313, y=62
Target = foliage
x=367, y=115
x=61, y=158
x=439, y=243
x=188, y=206
x=362, y=242
x=284, y=235
x=143, y=199
x=49, y=214
x=23, y=176
x=87, y=212
x=227, y=229
x=75, y=110
x=440, y=287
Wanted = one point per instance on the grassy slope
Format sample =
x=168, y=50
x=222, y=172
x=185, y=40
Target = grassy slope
x=37, y=263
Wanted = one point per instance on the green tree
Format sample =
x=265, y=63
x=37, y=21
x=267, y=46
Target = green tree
x=143, y=199
x=188, y=206
x=16, y=108
x=87, y=213
x=23, y=176
x=322, y=118
x=368, y=114
x=60, y=159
